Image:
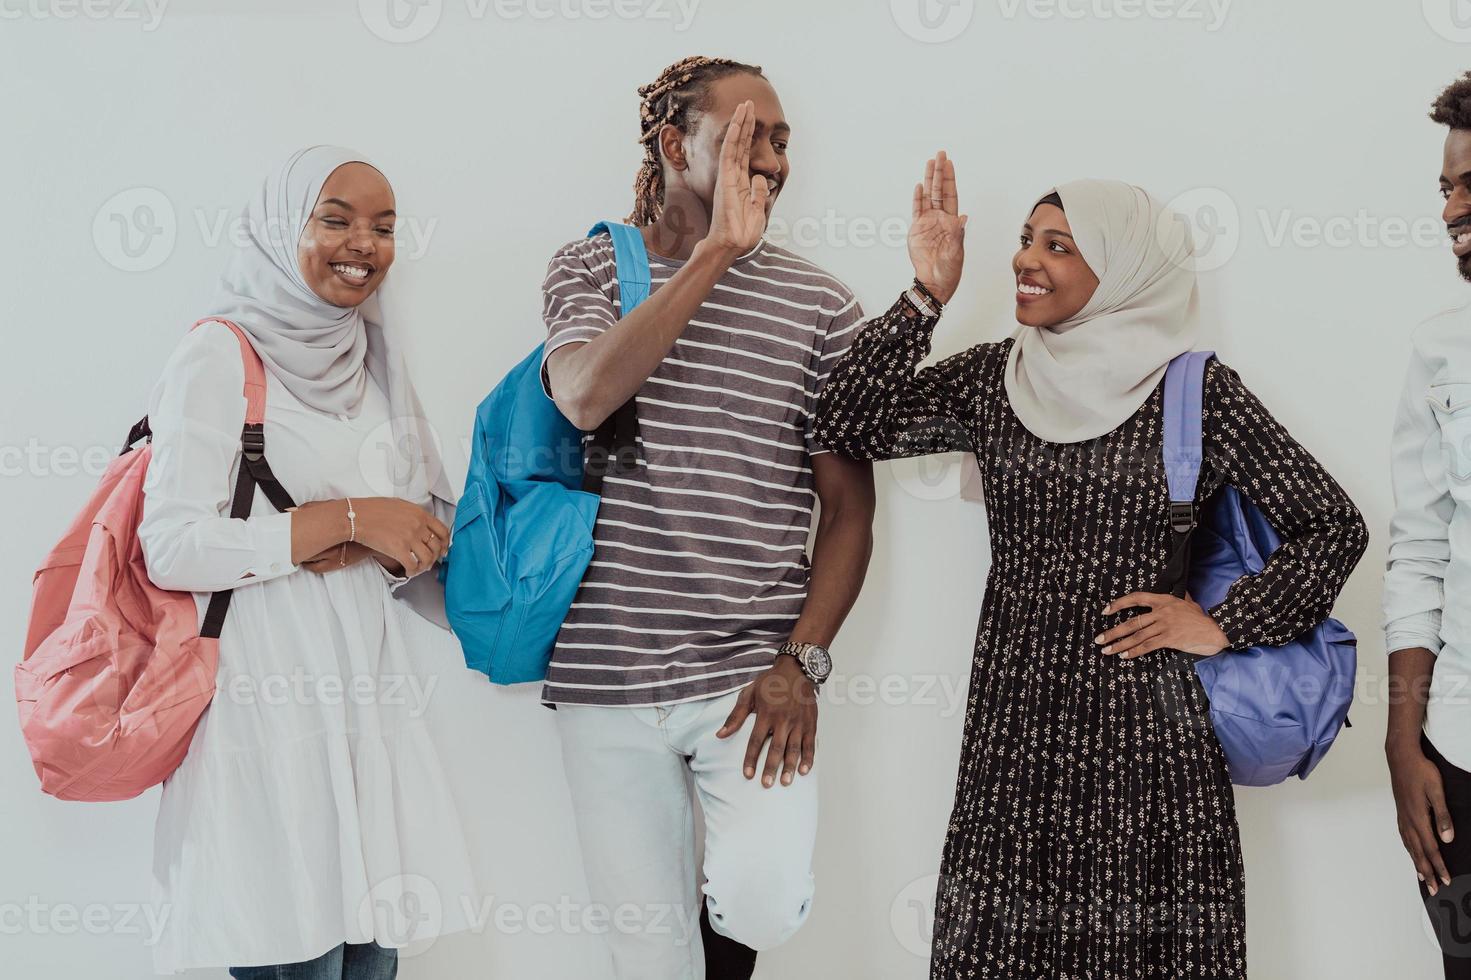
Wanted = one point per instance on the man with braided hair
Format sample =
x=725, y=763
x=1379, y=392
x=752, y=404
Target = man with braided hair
x=699, y=636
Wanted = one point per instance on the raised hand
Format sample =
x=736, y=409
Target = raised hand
x=937, y=230
x=739, y=214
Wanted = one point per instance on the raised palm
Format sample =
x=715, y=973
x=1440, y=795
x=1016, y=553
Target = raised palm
x=739, y=218
x=937, y=230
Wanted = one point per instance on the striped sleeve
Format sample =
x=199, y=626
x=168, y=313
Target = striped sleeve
x=579, y=296
x=838, y=331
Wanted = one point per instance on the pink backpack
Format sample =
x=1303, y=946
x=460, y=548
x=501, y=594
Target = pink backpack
x=116, y=672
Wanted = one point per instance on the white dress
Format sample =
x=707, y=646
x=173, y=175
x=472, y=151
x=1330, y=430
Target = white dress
x=312, y=808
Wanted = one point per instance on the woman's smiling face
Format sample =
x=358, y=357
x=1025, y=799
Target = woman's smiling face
x=347, y=245
x=1052, y=281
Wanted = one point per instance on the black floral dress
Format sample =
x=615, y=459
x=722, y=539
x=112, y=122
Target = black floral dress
x=1094, y=830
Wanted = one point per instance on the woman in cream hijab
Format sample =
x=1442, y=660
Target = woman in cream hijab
x=310, y=831
x=1077, y=372
x=1094, y=831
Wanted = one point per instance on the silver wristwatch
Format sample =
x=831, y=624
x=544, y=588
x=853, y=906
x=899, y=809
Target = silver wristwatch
x=814, y=660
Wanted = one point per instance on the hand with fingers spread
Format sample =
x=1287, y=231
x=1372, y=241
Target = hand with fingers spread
x=738, y=215
x=784, y=702
x=1168, y=622
x=937, y=229
x=1424, y=820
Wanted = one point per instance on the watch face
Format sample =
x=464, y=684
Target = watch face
x=819, y=662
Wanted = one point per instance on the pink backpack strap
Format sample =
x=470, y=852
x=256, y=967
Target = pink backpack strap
x=254, y=470
x=255, y=373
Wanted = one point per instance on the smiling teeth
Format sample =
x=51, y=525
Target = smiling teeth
x=1463, y=238
x=1022, y=287
x=354, y=271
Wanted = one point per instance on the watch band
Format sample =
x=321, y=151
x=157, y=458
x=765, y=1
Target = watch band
x=798, y=652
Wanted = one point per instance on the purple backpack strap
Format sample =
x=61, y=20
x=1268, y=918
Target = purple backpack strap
x=1184, y=384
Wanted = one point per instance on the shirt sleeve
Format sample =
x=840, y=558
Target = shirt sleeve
x=1419, y=532
x=876, y=406
x=838, y=331
x=1323, y=534
x=579, y=296
x=196, y=414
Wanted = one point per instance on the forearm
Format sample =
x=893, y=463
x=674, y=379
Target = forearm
x=876, y=407
x=1323, y=534
x=1300, y=583
x=590, y=381
x=1409, y=689
x=317, y=526
x=189, y=553
x=840, y=555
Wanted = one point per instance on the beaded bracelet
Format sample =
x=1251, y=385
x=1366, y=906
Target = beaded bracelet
x=352, y=533
x=934, y=302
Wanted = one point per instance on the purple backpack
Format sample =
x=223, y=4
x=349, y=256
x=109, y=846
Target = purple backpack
x=1275, y=710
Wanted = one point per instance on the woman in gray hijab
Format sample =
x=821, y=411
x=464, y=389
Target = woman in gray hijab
x=310, y=831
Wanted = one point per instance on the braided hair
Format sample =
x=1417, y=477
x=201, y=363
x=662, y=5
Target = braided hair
x=680, y=90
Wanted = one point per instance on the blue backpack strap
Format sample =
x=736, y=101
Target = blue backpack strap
x=1184, y=387
x=1184, y=384
x=615, y=443
x=632, y=259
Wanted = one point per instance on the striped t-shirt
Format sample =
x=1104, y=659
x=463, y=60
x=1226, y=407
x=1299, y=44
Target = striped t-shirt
x=699, y=570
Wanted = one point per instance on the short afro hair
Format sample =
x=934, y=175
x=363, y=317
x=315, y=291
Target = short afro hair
x=1453, y=107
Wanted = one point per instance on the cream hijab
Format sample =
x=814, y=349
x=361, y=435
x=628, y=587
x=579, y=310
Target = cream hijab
x=1084, y=377
x=325, y=354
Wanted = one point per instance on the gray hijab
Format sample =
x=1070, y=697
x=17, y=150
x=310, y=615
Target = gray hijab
x=325, y=354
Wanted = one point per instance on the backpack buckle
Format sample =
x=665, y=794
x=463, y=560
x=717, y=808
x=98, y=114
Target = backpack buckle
x=253, y=442
x=1182, y=516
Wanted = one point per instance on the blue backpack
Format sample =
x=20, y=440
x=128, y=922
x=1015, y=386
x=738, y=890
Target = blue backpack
x=1275, y=710
x=523, y=532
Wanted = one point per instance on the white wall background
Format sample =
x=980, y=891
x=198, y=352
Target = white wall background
x=1295, y=131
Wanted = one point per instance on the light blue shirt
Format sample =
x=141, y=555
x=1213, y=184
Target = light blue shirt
x=1430, y=534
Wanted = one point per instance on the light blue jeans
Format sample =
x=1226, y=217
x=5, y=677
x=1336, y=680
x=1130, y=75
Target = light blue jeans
x=629, y=770
x=350, y=961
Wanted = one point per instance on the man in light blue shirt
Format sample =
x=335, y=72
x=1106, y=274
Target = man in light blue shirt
x=1428, y=744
